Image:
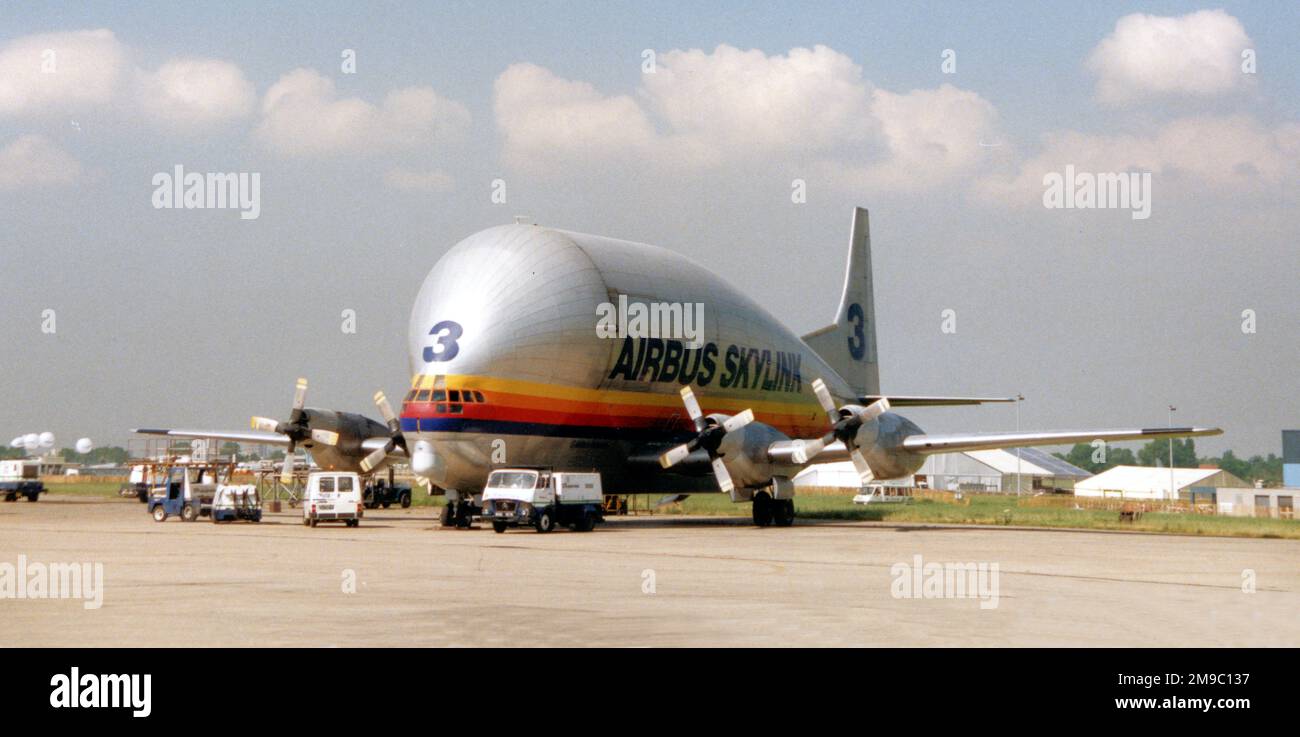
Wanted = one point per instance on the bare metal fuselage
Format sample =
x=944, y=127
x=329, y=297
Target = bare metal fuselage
x=508, y=316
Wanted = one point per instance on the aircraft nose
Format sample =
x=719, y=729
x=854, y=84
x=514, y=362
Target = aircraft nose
x=424, y=461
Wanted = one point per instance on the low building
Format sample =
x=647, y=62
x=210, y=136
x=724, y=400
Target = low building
x=1275, y=503
x=998, y=471
x=1153, y=483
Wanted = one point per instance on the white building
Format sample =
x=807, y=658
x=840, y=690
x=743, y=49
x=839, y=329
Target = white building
x=1153, y=483
x=1275, y=503
x=976, y=470
x=997, y=471
x=842, y=475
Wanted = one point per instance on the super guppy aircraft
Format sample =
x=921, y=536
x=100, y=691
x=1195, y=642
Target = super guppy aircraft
x=509, y=369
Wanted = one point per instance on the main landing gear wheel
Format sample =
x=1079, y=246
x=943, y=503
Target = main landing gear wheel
x=783, y=512
x=762, y=509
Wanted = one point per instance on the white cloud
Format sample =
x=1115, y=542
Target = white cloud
x=89, y=72
x=435, y=181
x=1234, y=153
x=303, y=115
x=1197, y=55
x=186, y=93
x=810, y=107
x=931, y=136
x=60, y=72
x=808, y=99
x=35, y=161
x=545, y=119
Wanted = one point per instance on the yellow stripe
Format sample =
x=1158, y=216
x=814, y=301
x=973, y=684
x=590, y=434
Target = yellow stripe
x=799, y=404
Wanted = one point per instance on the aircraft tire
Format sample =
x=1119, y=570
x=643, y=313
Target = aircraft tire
x=762, y=509
x=783, y=512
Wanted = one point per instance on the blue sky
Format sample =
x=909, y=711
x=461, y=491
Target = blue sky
x=1062, y=306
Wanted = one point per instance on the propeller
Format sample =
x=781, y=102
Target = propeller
x=844, y=427
x=709, y=435
x=295, y=429
x=396, y=438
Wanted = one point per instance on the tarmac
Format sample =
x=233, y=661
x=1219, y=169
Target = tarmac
x=401, y=580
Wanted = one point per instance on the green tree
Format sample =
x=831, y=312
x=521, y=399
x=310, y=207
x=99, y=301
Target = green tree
x=1082, y=454
x=1156, y=453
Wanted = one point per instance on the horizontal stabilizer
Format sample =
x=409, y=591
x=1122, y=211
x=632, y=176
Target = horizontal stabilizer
x=926, y=444
x=904, y=400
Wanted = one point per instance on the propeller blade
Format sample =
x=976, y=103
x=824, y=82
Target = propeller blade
x=860, y=463
x=372, y=461
x=265, y=424
x=675, y=456
x=693, y=408
x=325, y=437
x=386, y=410
x=724, y=478
x=286, y=469
x=809, y=450
x=299, y=394
x=824, y=397
x=876, y=409
x=735, y=422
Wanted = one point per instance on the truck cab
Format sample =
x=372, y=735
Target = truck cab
x=21, y=478
x=185, y=490
x=543, y=499
x=332, y=496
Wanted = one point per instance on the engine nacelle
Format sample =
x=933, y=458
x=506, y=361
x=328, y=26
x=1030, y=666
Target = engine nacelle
x=745, y=453
x=881, y=443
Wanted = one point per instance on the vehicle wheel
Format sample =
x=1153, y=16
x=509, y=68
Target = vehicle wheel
x=545, y=522
x=499, y=527
x=783, y=512
x=33, y=496
x=387, y=505
x=189, y=513
x=159, y=513
x=445, y=518
x=405, y=500
x=306, y=522
x=315, y=522
x=762, y=509
x=11, y=497
x=143, y=495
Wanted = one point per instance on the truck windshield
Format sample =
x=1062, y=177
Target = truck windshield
x=512, y=480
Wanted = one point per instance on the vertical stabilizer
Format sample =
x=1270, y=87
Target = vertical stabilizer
x=849, y=345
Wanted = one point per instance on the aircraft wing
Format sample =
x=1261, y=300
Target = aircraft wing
x=241, y=436
x=927, y=444
x=905, y=400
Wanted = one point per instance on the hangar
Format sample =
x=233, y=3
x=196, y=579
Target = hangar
x=998, y=470
x=976, y=470
x=1153, y=482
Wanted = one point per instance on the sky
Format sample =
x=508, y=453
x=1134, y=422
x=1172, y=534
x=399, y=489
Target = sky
x=380, y=133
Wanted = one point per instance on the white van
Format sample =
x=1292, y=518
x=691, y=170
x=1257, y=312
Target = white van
x=332, y=496
x=543, y=499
